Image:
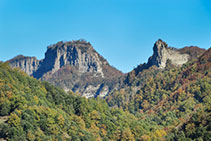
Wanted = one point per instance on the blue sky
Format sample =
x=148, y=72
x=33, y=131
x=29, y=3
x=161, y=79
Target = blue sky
x=123, y=31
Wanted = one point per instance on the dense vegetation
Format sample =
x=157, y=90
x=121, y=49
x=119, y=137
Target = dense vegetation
x=174, y=104
x=178, y=99
x=35, y=110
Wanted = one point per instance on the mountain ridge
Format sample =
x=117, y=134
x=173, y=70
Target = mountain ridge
x=171, y=103
x=89, y=68
x=76, y=66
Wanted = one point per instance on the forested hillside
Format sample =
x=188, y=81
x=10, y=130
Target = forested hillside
x=35, y=110
x=176, y=97
x=173, y=103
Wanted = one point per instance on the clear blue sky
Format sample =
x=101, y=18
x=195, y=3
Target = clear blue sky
x=123, y=31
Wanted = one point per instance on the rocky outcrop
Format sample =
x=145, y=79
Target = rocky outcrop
x=162, y=53
x=73, y=65
x=75, y=53
x=76, y=66
x=27, y=64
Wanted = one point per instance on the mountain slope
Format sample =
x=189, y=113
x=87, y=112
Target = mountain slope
x=149, y=80
x=35, y=110
x=180, y=96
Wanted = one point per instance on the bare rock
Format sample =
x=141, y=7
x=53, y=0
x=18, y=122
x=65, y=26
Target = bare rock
x=162, y=53
x=27, y=64
x=73, y=65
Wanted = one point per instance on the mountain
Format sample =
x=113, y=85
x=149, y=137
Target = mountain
x=73, y=65
x=76, y=66
x=164, y=60
x=163, y=55
x=179, y=97
x=171, y=103
x=150, y=85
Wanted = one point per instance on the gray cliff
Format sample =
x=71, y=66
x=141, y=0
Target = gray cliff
x=73, y=66
x=76, y=66
x=79, y=54
x=27, y=64
x=162, y=53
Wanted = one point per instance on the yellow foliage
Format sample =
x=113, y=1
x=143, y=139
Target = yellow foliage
x=71, y=92
x=36, y=99
x=50, y=120
x=9, y=94
x=30, y=136
x=145, y=138
x=127, y=135
x=180, y=90
x=139, y=98
x=98, y=139
x=61, y=120
x=80, y=134
x=54, y=129
x=103, y=132
x=43, y=89
x=145, y=104
x=14, y=120
x=94, y=129
x=116, y=135
x=122, y=91
x=54, y=139
x=190, y=127
x=94, y=115
x=1, y=84
x=79, y=121
x=160, y=133
x=19, y=112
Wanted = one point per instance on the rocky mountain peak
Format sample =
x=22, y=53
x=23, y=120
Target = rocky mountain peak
x=162, y=53
x=79, y=54
x=76, y=66
x=73, y=65
x=159, y=46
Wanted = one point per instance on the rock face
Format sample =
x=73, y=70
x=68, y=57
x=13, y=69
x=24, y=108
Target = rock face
x=162, y=53
x=73, y=65
x=27, y=64
x=79, y=54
